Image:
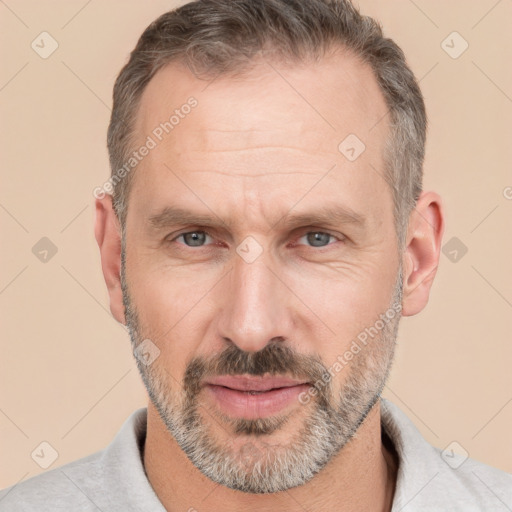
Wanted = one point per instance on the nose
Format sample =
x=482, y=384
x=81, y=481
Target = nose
x=256, y=306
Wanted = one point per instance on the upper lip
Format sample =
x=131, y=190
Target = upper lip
x=251, y=383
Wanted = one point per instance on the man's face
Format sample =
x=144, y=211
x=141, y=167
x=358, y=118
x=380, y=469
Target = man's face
x=255, y=294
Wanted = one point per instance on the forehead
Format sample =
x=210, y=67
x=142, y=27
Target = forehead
x=334, y=94
x=279, y=124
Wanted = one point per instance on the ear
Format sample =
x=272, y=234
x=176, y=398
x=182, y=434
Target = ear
x=421, y=255
x=108, y=235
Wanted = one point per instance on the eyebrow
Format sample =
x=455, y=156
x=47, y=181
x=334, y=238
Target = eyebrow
x=336, y=215
x=174, y=216
x=328, y=215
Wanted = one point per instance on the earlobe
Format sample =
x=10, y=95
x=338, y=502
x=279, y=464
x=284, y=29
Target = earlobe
x=421, y=255
x=108, y=236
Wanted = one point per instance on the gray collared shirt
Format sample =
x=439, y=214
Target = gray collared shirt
x=114, y=479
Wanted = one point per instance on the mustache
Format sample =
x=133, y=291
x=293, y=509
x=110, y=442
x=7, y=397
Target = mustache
x=274, y=359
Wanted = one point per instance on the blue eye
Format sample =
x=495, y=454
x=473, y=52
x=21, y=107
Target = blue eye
x=198, y=238
x=194, y=238
x=317, y=238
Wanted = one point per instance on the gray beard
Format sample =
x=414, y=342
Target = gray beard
x=247, y=460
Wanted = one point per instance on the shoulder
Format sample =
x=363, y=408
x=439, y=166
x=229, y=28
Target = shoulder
x=457, y=482
x=112, y=479
x=56, y=490
x=481, y=485
x=431, y=479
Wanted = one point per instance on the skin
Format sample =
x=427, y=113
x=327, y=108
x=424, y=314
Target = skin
x=252, y=151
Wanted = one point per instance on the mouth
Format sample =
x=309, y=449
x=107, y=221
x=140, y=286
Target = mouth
x=252, y=397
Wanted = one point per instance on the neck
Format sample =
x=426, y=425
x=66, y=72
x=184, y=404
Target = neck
x=361, y=476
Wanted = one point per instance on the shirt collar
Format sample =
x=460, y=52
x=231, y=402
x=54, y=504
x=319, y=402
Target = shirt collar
x=123, y=460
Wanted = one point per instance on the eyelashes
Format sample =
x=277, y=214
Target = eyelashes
x=198, y=238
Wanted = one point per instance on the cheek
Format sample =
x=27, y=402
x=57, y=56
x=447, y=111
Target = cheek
x=164, y=295
x=337, y=310
x=169, y=308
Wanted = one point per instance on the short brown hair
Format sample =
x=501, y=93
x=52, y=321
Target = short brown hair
x=215, y=37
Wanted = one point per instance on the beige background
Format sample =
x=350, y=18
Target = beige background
x=67, y=375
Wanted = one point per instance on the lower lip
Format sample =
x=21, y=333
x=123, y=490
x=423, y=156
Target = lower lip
x=251, y=406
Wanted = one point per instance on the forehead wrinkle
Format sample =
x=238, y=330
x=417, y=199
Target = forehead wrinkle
x=245, y=141
x=252, y=175
x=252, y=148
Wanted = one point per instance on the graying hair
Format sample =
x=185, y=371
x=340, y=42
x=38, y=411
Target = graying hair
x=223, y=37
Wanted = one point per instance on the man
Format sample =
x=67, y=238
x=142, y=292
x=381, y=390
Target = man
x=266, y=231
